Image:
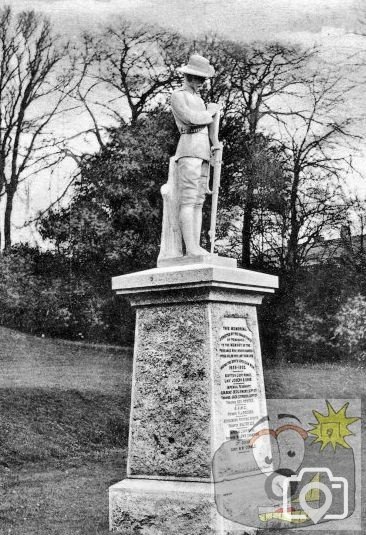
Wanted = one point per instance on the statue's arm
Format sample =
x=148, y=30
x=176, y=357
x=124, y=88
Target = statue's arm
x=185, y=114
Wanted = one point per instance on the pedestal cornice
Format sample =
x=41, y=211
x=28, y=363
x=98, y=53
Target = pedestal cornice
x=195, y=282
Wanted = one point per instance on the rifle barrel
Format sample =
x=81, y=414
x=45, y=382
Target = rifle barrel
x=215, y=195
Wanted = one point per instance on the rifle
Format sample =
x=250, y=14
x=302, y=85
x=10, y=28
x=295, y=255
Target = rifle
x=217, y=160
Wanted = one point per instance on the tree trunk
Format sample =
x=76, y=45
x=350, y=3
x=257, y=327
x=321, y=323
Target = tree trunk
x=7, y=218
x=247, y=225
x=292, y=246
x=249, y=201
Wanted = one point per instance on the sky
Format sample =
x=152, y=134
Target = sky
x=331, y=24
x=241, y=19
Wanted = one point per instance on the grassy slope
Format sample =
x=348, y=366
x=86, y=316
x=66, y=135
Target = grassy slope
x=64, y=412
x=315, y=381
x=45, y=424
x=59, y=400
x=63, y=428
x=28, y=361
x=71, y=499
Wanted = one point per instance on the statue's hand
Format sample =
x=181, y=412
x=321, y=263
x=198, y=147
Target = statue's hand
x=216, y=145
x=213, y=108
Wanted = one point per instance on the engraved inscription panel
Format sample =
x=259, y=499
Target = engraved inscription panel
x=240, y=407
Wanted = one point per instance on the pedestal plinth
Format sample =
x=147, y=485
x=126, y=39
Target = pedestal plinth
x=197, y=383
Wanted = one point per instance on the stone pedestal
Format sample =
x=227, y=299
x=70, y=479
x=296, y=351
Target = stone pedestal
x=197, y=383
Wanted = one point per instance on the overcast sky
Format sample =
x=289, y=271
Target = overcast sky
x=241, y=19
x=329, y=23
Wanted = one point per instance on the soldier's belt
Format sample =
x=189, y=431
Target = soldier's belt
x=192, y=130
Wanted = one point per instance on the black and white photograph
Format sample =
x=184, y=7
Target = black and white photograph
x=182, y=266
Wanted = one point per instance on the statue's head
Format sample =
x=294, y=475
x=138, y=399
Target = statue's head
x=197, y=66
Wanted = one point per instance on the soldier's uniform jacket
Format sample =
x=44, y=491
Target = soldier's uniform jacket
x=192, y=119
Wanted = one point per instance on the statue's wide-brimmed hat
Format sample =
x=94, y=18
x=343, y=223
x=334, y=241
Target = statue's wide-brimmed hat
x=198, y=66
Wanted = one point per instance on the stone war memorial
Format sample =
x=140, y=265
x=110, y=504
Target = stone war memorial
x=197, y=373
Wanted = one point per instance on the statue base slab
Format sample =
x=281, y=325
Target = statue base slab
x=208, y=260
x=162, y=507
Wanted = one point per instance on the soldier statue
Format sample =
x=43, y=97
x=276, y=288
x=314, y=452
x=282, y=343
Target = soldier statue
x=187, y=186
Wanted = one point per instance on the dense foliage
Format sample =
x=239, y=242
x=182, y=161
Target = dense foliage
x=113, y=222
x=112, y=226
x=317, y=315
x=41, y=294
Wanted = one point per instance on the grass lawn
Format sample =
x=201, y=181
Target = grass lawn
x=64, y=412
x=315, y=381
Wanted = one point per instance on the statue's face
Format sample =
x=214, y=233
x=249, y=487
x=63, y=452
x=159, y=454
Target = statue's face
x=195, y=82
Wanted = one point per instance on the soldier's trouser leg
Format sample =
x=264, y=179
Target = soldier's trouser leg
x=192, y=183
x=186, y=221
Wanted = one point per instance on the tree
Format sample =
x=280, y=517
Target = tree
x=316, y=144
x=34, y=84
x=125, y=71
x=252, y=82
x=113, y=223
x=139, y=71
x=264, y=166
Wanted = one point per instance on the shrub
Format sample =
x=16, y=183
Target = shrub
x=305, y=335
x=300, y=321
x=350, y=330
x=40, y=294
